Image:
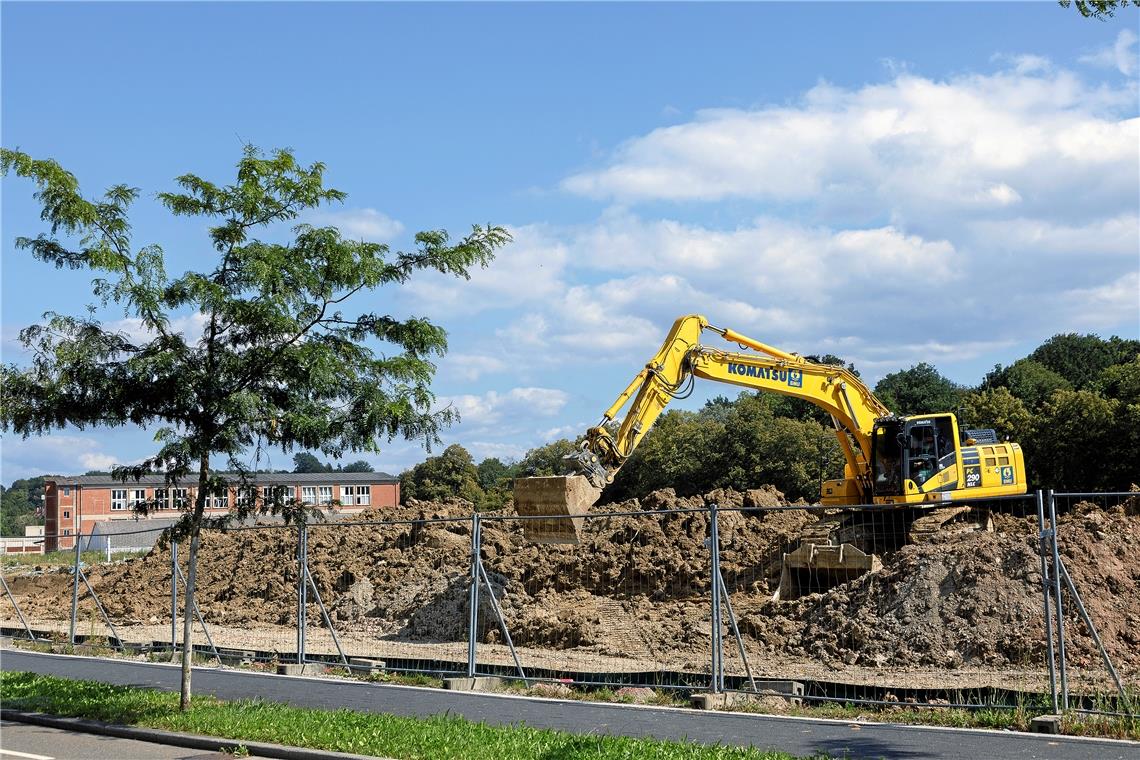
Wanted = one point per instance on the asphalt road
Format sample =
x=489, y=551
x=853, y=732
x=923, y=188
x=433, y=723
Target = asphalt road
x=798, y=736
x=20, y=741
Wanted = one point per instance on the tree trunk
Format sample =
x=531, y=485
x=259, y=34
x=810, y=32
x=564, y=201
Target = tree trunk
x=188, y=620
x=191, y=577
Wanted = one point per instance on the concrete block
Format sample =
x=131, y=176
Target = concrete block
x=1046, y=724
x=789, y=692
x=236, y=656
x=366, y=665
x=294, y=669
x=480, y=683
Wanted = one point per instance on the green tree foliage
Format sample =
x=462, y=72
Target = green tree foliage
x=1080, y=359
x=546, y=460
x=18, y=505
x=1101, y=10
x=919, y=390
x=306, y=462
x=279, y=362
x=1029, y=380
x=999, y=409
x=680, y=451
x=452, y=473
x=1076, y=444
x=491, y=472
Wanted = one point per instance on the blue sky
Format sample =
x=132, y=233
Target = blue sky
x=891, y=182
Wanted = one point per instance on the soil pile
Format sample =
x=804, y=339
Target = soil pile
x=638, y=585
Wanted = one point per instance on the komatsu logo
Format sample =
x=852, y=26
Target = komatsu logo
x=793, y=377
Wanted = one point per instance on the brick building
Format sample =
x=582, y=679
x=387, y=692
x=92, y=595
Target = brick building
x=77, y=504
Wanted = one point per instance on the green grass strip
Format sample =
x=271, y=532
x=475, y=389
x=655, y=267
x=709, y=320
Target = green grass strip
x=439, y=737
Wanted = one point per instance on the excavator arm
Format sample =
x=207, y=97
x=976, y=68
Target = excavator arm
x=668, y=375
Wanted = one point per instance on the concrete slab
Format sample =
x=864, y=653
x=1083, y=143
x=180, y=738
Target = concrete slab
x=479, y=683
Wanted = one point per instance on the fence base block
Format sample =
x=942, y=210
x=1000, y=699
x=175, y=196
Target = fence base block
x=480, y=683
x=295, y=669
x=366, y=665
x=784, y=693
x=1046, y=724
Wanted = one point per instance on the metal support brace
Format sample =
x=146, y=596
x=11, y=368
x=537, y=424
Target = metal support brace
x=473, y=596
x=99, y=605
x=74, y=594
x=1064, y=573
x=714, y=553
x=736, y=631
x=173, y=599
x=325, y=613
x=19, y=614
x=502, y=620
x=1060, y=603
x=201, y=622
x=302, y=589
x=1045, y=536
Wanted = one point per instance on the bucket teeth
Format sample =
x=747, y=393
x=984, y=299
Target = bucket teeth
x=561, y=497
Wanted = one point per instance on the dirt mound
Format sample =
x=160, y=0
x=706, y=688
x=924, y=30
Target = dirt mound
x=638, y=585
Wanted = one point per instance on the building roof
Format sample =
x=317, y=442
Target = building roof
x=257, y=479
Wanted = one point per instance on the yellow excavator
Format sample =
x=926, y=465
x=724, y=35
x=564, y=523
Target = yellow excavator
x=906, y=464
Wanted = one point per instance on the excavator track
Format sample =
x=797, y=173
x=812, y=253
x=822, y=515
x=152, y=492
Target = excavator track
x=960, y=519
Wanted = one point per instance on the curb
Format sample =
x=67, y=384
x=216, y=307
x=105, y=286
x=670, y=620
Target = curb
x=190, y=741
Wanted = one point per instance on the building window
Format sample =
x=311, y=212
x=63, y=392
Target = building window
x=246, y=497
x=179, y=498
x=119, y=498
x=66, y=513
x=67, y=490
x=275, y=494
x=309, y=496
x=361, y=496
x=326, y=495
x=138, y=496
x=67, y=531
x=162, y=498
x=220, y=502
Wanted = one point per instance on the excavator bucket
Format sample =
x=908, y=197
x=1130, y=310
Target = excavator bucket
x=562, y=497
x=813, y=568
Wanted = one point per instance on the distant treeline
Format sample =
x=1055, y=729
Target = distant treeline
x=1073, y=404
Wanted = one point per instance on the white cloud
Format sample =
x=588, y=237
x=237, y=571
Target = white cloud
x=360, y=224
x=916, y=147
x=60, y=454
x=481, y=411
x=189, y=326
x=471, y=367
x=1118, y=55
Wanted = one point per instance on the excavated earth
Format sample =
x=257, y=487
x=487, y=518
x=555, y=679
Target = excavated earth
x=636, y=588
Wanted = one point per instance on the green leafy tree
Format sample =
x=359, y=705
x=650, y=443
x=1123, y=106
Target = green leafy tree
x=759, y=448
x=451, y=474
x=1121, y=381
x=279, y=363
x=999, y=409
x=919, y=390
x=547, y=460
x=1101, y=10
x=18, y=505
x=306, y=462
x=681, y=451
x=1080, y=359
x=1029, y=380
x=1078, y=444
x=359, y=465
x=491, y=472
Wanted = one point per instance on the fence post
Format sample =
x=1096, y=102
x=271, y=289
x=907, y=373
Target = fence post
x=74, y=592
x=173, y=597
x=302, y=588
x=473, y=595
x=1043, y=548
x=714, y=555
x=1060, y=603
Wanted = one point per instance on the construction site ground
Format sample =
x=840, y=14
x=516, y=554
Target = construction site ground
x=962, y=611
